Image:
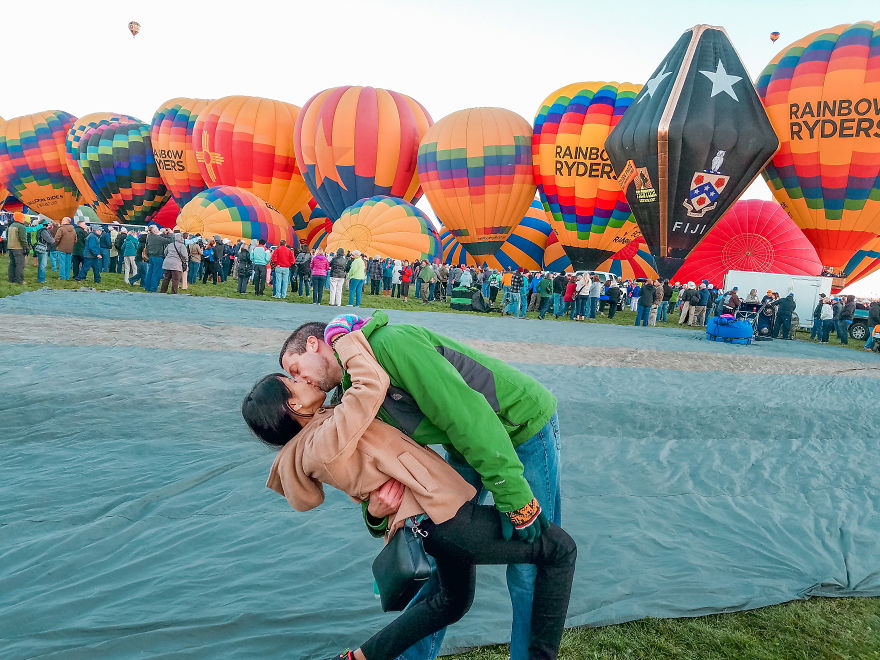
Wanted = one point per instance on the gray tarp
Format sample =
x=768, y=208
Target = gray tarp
x=134, y=520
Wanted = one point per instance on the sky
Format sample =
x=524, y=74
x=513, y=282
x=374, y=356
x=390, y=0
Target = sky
x=447, y=54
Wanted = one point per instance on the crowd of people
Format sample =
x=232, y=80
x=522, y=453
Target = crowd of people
x=156, y=259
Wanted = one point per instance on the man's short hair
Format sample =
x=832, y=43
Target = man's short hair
x=262, y=242
x=296, y=342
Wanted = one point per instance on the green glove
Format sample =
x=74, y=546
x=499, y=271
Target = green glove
x=526, y=523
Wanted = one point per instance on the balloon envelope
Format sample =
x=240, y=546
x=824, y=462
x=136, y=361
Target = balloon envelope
x=359, y=142
x=574, y=173
x=475, y=167
x=822, y=94
x=116, y=161
x=308, y=217
x=167, y=215
x=234, y=213
x=754, y=235
x=632, y=261
x=247, y=142
x=864, y=262
x=555, y=258
x=33, y=166
x=171, y=134
x=774, y=36
x=387, y=226
x=71, y=155
x=690, y=144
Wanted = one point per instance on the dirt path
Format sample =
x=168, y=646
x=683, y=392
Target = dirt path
x=234, y=338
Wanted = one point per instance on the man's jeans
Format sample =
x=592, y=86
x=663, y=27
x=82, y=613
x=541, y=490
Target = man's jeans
x=302, y=284
x=816, y=330
x=53, y=260
x=42, y=258
x=93, y=264
x=64, y=259
x=540, y=458
x=513, y=307
x=545, y=305
x=843, y=331
x=154, y=273
x=870, y=341
x=661, y=312
x=282, y=281
x=642, y=315
x=355, y=288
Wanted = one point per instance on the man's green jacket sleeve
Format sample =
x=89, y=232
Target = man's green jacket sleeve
x=463, y=414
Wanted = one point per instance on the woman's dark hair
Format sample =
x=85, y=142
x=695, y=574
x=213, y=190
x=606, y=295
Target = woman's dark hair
x=265, y=410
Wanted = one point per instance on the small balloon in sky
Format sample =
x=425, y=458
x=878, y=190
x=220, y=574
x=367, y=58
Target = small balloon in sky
x=774, y=36
x=134, y=27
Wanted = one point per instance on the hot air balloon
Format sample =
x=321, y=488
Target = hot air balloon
x=555, y=258
x=247, y=142
x=167, y=215
x=574, y=173
x=71, y=155
x=358, y=142
x=691, y=143
x=475, y=167
x=632, y=261
x=452, y=252
x=234, y=213
x=32, y=164
x=134, y=27
x=13, y=205
x=308, y=217
x=753, y=235
x=316, y=232
x=822, y=94
x=387, y=226
x=863, y=263
x=116, y=161
x=774, y=36
x=526, y=244
x=171, y=135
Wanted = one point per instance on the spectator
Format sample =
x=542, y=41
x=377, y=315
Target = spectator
x=260, y=258
x=281, y=260
x=595, y=295
x=338, y=265
x=655, y=306
x=194, y=253
x=387, y=276
x=873, y=322
x=209, y=262
x=106, y=249
x=645, y=300
x=92, y=256
x=243, y=268
x=442, y=282
x=827, y=318
x=663, y=311
x=374, y=272
x=429, y=280
x=79, y=247
x=405, y=278
x=816, y=330
x=687, y=298
x=303, y=266
x=395, y=278
x=128, y=250
x=156, y=245
x=582, y=296
x=732, y=301
x=845, y=319
x=697, y=314
x=545, y=291
x=357, y=273
x=466, y=279
x=320, y=266
x=613, y=298
x=753, y=296
x=45, y=244
x=174, y=264
x=514, y=295
x=784, y=309
x=18, y=247
x=65, y=238
x=494, y=285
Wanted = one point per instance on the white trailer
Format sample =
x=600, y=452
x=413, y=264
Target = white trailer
x=806, y=289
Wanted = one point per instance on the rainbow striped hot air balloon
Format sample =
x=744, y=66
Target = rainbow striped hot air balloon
x=577, y=183
x=632, y=261
x=171, y=134
x=116, y=161
x=821, y=94
x=864, y=262
x=247, y=142
x=387, y=226
x=358, y=142
x=32, y=163
x=235, y=214
x=72, y=156
x=475, y=167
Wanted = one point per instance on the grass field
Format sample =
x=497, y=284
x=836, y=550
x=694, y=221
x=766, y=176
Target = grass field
x=818, y=628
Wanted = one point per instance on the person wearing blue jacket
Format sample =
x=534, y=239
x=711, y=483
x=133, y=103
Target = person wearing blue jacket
x=129, y=251
x=699, y=313
x=92, y=256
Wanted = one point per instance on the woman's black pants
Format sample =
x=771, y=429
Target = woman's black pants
x=473, y=537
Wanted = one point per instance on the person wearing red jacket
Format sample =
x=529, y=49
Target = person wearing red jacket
x=282, y=258
x=405, y=278
x=568, y=297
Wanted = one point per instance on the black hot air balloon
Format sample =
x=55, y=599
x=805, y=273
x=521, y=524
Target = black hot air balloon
x=690, y=144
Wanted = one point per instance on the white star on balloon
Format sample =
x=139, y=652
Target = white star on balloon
x=652, y=85
x=722, y=81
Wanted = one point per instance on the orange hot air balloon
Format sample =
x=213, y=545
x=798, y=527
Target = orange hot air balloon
x=247, y=142
x=356, y=142
x=72, y=155
x=32, y=163
x=134, y=27
x=822, y=95
x=171, y=137
x=475, y=166
x=308, y=217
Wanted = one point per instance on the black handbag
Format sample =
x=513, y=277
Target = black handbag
x=402, y=568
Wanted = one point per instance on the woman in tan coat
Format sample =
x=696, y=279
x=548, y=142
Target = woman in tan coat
x=348, y=448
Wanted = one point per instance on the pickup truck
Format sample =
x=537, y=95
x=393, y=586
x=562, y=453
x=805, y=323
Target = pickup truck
x=859, y=328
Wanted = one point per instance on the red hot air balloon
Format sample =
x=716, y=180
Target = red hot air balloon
x=753, y=235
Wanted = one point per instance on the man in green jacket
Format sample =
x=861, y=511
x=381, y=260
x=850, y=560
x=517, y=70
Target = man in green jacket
x=498, y=425
x=545, y=291
x=18, y=247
